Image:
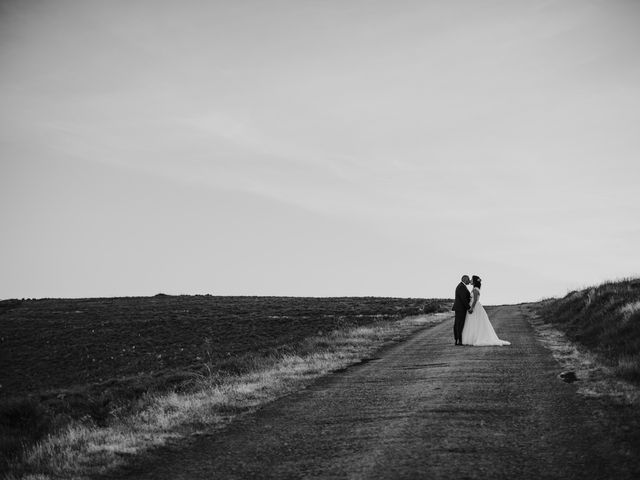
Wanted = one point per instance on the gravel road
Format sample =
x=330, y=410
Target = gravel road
x=424, y=409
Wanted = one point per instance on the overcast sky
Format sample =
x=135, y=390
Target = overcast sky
x=337, y=147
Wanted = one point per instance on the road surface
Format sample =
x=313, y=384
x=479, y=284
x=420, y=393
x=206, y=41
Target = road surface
x=423, y=408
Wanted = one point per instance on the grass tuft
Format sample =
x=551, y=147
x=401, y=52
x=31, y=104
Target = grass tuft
x=629, y=367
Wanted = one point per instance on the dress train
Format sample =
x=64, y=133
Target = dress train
x=478, y=330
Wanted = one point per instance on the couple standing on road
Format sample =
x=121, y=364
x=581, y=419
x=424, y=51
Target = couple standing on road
x=472, y=325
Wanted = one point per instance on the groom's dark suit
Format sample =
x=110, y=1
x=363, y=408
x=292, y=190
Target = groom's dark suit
x=461, y=305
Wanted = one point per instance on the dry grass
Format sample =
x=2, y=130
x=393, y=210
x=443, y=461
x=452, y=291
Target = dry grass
x=604, y=320
x=83, y=449
x=595, y=332
x=595, y=378
x=629, y=309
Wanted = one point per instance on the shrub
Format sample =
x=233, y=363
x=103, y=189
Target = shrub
x=22, y=421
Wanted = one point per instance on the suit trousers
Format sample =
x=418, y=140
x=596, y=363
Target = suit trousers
x=458, y=325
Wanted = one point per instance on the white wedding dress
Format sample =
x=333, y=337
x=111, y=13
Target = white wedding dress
x=478, y=330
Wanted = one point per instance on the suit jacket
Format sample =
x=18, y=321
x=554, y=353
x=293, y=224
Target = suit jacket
x=463, y=298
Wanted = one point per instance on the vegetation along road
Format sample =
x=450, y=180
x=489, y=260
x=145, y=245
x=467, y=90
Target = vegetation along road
x=424, y=409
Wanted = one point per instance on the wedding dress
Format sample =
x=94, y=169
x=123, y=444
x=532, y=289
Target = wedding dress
x=478, y=330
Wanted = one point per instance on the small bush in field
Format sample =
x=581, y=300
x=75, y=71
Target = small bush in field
x=629, y=367
x=22, y=421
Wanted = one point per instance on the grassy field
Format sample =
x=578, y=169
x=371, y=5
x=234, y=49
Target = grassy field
x=73, y=370
x=605, y=320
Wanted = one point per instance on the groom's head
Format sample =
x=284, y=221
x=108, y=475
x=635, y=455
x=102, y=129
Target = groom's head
x=465, y=279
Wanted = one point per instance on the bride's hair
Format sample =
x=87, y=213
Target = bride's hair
x=476, y=281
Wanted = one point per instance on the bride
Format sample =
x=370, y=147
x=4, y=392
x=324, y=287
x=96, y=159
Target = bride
x=478, y=330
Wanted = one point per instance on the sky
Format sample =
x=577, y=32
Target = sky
x=318, y=148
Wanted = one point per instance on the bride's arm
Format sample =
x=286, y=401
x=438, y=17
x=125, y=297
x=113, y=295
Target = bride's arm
x=474, y=298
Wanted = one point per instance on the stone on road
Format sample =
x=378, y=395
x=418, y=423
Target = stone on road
x=424, y=409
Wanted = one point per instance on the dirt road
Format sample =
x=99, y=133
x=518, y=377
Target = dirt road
x=424, y=409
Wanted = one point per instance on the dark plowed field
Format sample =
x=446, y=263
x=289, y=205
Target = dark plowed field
x=53, y=344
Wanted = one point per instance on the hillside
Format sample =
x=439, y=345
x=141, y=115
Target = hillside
x=605, y=319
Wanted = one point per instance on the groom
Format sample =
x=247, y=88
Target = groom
x=461, y=305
